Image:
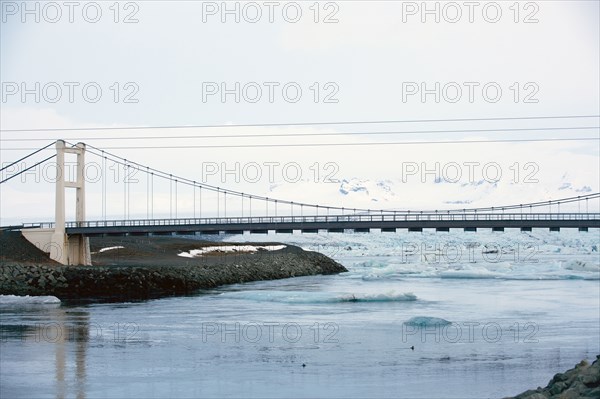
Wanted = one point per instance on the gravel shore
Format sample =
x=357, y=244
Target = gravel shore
x=137, y=268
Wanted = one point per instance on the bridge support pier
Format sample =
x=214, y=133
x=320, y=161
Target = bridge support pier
x=583, y=229
x=65, y=249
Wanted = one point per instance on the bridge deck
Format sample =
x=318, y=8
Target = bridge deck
x=337, y=223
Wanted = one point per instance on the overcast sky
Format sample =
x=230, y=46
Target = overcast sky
x=160, y=63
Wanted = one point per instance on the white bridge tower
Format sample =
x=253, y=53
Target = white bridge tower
x=65, y=249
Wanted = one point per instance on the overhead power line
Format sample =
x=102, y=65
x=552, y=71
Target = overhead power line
x=163, y=147
x=224, y=136
x=107, y=128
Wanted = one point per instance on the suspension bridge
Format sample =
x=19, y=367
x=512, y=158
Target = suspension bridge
x=68, y=241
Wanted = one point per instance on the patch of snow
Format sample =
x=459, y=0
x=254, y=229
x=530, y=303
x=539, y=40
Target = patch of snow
x=230, y=249
x=110, y=248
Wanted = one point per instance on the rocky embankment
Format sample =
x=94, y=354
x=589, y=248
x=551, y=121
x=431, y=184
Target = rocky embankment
x=583, y=381
x=134, y=268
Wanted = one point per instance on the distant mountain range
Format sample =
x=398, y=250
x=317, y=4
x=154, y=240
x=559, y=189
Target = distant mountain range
x=435, y=194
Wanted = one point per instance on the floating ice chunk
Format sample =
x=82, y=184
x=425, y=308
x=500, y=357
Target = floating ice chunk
x=469, y=272
x=27, y=300
x=372, y=277
x=424, y=321
x=320, y=297
x=387, y=297
x=581, y=266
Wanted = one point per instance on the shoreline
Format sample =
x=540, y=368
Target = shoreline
x=148, y=268
x=582, y=381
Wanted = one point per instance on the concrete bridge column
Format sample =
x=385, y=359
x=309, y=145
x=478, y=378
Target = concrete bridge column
x=59, y=237
x=67, y=250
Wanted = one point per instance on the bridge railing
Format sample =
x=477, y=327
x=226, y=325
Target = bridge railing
x=389, y=217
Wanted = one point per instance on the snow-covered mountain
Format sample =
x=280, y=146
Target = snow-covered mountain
x=435, y=194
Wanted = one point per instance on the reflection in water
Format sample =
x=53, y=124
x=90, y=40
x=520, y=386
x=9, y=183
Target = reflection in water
x=74, y=330
x=60, y=359
x=67, y=331
x=80, y=362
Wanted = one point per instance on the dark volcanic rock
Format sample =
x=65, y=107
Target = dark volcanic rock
x=15, y=248
x=147, y=267
x=583, y=381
